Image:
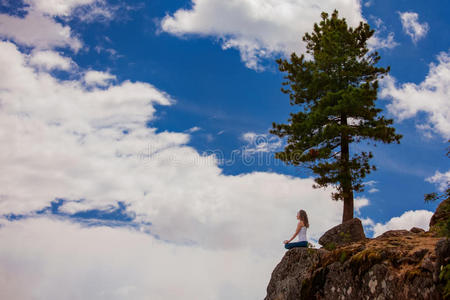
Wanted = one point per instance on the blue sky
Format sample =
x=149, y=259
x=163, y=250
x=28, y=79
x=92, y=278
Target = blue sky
x=216, y=92
x=110, y=109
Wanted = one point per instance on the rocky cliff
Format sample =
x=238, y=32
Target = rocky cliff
x=399, y=264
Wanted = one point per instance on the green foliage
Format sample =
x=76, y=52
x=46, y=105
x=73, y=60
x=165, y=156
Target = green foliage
x=330, y=246
x=442, y=225
x=362, y=261
x=335, y=92
x=343, y=257
x=442, y=228
x=444, y=276
x=345, y=237
x=435, y=196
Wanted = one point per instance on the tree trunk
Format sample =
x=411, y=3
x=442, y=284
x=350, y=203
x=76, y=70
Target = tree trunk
x=346, y=182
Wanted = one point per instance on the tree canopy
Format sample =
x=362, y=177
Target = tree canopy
x=334, y=85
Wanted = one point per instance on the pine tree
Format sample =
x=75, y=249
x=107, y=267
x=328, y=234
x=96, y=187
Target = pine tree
x=335, y=87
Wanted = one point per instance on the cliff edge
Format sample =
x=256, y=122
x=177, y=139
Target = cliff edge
x=399, y=264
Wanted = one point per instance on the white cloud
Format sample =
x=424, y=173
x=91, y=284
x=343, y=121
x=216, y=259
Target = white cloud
x=257, y=28
x=359, y=203
x=37, y=30
x=45, y=116
x=354, y=121
x=40, y=29
x=367, y=222
x=61, y=260
x=409, y=219
x=93, y=78
x=412, y=27
x=84, y=10
x=257, y=143
x=50, y=60
x=440, y=179
x=92, y=145
x=57, y=7
x=430, y=96
x=378, y=42
x=69, y=142
x=193, y=129
x=371, y=184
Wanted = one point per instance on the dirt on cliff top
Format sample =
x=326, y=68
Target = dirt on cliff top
x=402, y=247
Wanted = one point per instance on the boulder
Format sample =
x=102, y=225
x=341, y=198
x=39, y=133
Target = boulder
x=416, y=230
x=442, y=212
x=345, y=233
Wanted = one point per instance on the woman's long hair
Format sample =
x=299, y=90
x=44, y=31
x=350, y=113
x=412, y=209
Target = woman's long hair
x=304, y=217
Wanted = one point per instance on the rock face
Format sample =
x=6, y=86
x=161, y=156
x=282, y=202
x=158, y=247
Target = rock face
x=345, y=233
x=395, y=233
x=399, y=265
x=296, y=266
x=442, y=212
x=443, y=251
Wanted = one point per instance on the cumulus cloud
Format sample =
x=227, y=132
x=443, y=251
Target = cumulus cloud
x=57, y=7
x=51, y=60
x=93, y=78
x=84, y=10
x=379, y=42
x=92, y=145
x=442, y=180
x=258, y=29
x=46, y=115
x=194, y=129
x=37, y=30
x=430, y=97
x=257, y=143
x=412, y=27
x=43, y=25
x=409, y=219
x=367, y=222
x=54, y=259
x=359, y=203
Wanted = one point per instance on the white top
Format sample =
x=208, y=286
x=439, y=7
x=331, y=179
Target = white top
x=302, y=234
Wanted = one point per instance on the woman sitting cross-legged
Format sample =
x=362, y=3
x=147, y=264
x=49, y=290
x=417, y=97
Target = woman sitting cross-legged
x=300, y=231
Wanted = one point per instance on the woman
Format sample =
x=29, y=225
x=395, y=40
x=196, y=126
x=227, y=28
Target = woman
x=300, y=231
